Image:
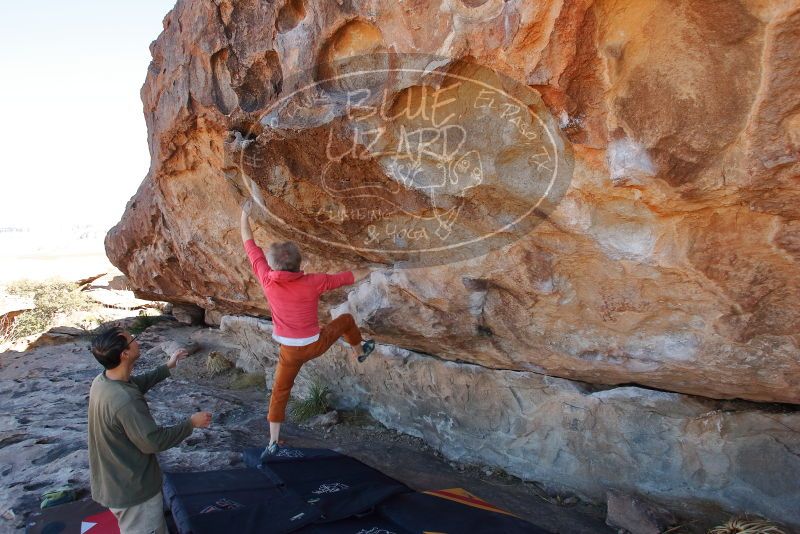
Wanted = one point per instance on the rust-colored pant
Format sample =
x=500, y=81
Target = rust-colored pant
x=290, y=360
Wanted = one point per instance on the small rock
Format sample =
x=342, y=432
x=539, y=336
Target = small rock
x=170, y=347
x=67, y=331
x=324, y=420
x=89, y=279
x=56, y=336
x=636, y=515
x=123, y=300
x=188, y=314
x=212, y=317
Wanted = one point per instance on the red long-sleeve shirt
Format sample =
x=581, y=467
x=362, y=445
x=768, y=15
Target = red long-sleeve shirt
x=293, y=297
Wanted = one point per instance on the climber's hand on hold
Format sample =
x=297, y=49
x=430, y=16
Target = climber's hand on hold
x=247, y=208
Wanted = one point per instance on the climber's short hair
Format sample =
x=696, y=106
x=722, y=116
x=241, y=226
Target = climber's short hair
x=107, y=346
x=284, y=256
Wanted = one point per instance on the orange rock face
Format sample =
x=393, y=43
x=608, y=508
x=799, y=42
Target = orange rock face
x=604, y=191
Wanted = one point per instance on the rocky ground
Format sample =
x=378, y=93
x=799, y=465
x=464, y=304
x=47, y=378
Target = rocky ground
x=44, y=395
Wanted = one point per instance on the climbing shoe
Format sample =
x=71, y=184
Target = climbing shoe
x=271, y=450
x=367, y=348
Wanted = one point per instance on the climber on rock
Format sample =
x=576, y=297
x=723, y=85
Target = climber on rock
x=293, y=297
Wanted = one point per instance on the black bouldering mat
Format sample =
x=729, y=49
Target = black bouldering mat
x=339, y=486
x=236, y=500
x=323, y=492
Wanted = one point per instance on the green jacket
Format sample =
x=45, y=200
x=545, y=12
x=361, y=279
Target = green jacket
x=124, y=440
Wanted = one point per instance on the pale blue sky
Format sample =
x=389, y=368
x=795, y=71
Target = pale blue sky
x=73, y=139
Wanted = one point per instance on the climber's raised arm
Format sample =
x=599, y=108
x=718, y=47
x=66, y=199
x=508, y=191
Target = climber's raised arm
x=256, y=256
x=247, y=233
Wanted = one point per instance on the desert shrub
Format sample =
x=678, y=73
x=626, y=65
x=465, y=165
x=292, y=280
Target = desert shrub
x=243, y=380
x=746, y=525
x=7, y=330
x=50, y=298
x=90, y=323
x=142, y=322
x=217, y=363
x=315, y=403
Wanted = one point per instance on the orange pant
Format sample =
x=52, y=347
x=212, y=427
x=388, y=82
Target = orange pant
x=290, y=360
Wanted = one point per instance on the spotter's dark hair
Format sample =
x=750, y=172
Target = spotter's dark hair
x=107, y=346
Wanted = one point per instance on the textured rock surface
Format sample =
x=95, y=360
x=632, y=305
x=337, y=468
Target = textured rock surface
x=671, y=261
x=636, y=515
x=688, y=453
x=258, y=353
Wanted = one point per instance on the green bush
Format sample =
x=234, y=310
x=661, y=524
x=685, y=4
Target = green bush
x=143, y=322
x=315, y=404
x=50, y=298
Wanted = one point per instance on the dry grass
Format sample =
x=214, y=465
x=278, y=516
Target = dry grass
x=216, y=364
x=51, y=298
x=745, y=525
x=315, y=404
x=248, y=380
x=8, y=328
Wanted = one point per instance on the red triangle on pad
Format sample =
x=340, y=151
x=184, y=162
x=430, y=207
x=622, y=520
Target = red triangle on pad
x=102, y=523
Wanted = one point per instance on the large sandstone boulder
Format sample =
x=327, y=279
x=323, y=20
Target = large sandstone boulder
x=626, y=210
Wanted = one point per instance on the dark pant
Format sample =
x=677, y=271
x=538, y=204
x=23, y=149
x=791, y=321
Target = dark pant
x=291, y=359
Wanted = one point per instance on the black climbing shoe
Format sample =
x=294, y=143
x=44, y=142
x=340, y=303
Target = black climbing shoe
x=271, y=450
x=367, y=347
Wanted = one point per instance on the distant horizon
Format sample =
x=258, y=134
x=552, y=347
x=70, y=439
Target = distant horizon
x=75, y=143
x=46, y=227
